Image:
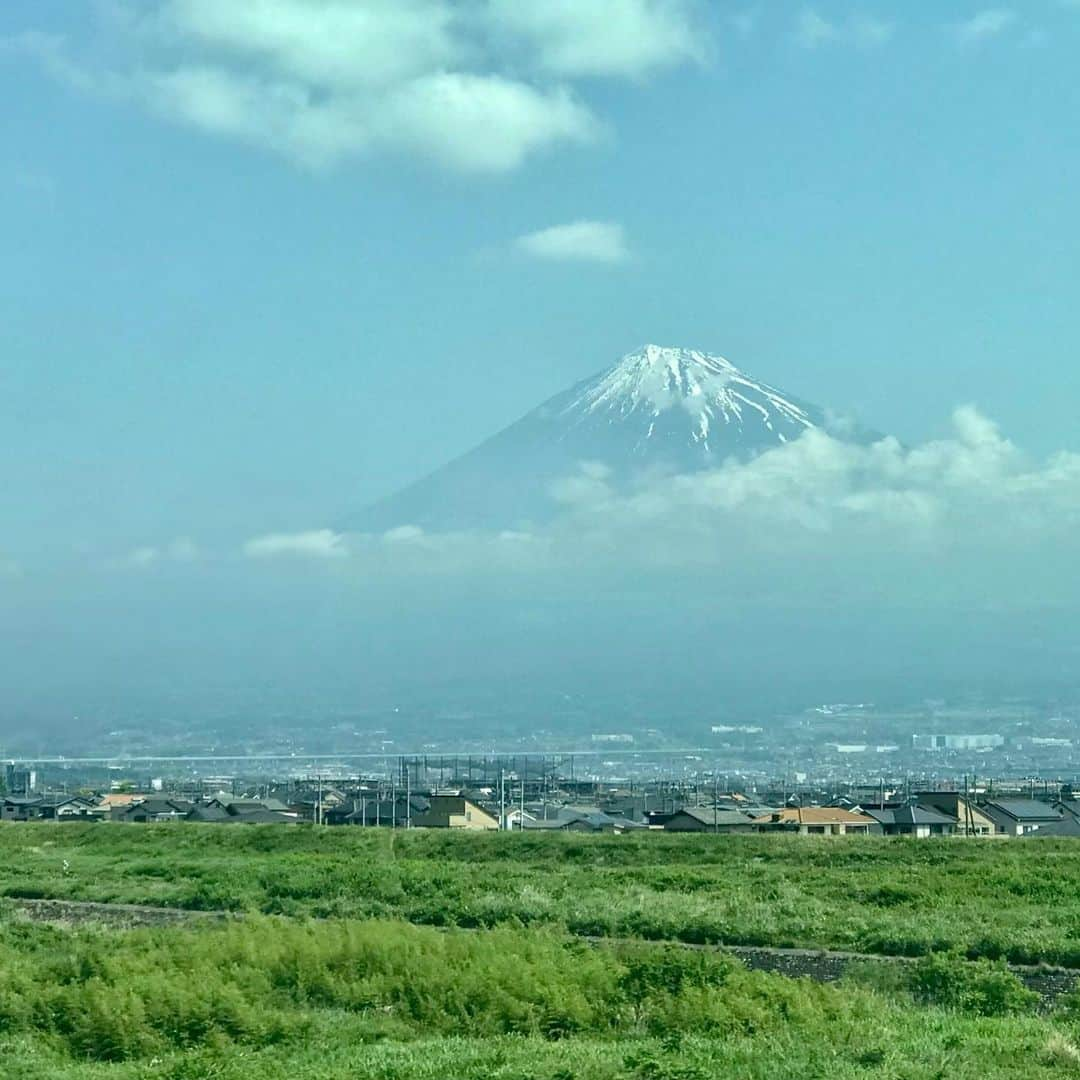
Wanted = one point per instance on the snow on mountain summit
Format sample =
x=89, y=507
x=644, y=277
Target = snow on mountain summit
x=658, y=408
x=710, y=390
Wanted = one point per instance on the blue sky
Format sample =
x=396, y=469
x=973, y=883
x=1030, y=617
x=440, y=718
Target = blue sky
x=214, y=331
x=264, y=262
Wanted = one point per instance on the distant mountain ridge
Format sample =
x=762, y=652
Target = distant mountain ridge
x=659, y=407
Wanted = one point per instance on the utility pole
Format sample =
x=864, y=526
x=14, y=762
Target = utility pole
x=408, y=797
x=502, y=798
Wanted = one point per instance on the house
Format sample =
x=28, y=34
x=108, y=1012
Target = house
x=911, y=821
x=1018, y=817
x=46, y=808
x=703, y=819
x=454, y=812
x=753, y=810
x=260, y=816
x=207, y=813
x=317, y=806
x=19, y=807
x=970, y=820
x=1067, y=825
x=236, y=808
x=226, y=810
x=234, y=804
x=572, y=819
x=116, y=801
x=153, y=808
x=65, y=807
x=819, y=820
x=374, y=811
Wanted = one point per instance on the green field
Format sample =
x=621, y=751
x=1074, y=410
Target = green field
x=330, y=974
x=1019, y=900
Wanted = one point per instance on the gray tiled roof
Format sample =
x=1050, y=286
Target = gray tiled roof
x=910, y=815
x=708, y=816
x=1023, y=809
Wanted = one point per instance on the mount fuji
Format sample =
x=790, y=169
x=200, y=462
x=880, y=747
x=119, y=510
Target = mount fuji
x=657, y=409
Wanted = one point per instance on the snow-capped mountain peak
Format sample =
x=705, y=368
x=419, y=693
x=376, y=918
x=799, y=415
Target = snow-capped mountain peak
x=708, y=390
x=658, y=409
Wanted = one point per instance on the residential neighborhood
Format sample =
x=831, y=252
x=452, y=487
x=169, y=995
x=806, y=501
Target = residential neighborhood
x=925, y=814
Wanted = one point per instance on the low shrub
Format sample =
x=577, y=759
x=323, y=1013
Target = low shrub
x=984, y=987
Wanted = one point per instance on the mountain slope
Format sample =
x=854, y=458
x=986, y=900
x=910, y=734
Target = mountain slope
x=658, y=408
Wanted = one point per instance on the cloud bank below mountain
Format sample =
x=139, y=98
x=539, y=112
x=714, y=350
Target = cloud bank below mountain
x=914, y=524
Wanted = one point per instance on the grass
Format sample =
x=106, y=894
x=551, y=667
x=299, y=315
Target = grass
x=349, y=961
x=1017, y=900
x=280, y=998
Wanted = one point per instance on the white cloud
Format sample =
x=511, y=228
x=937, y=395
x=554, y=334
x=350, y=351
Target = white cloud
x=470, y=123
x=51, y=53
x=315, y=544
x=474, y=86
x=404, y=534
x=867, y=31
x=603, y=37
x=482, y=123
x=181, y=550
x=143, y=556
x=813, y=30
x=334, y=43
x=985, y=24
x=816, y=518
x=577, y=241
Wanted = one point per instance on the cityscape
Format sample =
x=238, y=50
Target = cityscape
x=970, y=768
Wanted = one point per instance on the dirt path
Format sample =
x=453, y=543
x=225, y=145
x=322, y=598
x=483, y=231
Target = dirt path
x=123, y=916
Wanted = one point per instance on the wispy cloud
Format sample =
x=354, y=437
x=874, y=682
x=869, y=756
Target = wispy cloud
x=314, y=544
x=181, y=550
x=813, y=30
x=473, y=87
x=577, y=241
x=985, y=24
x=33, y=181
x=603, y=37
x=867, y=31
x=744, y=23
